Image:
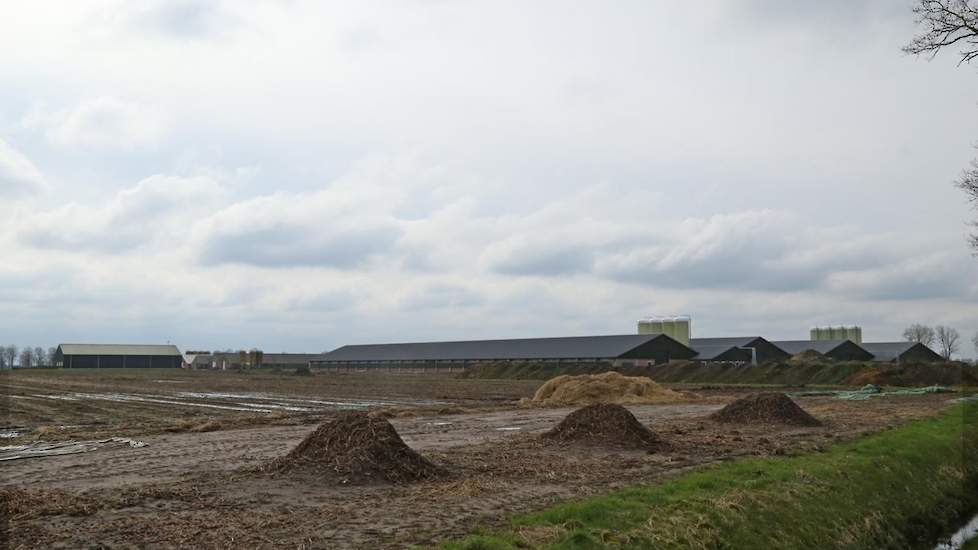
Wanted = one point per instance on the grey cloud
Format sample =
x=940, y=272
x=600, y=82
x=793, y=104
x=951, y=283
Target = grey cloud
x=184, y=18
x=294, y=245
x=324, y=302
x=544, y=260
x=922, y=277
x=438, y=296
x=838, y=13
x=118, y=240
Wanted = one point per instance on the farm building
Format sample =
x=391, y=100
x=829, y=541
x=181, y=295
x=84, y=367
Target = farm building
x=901, y=352
x=104, y=356
x=840, y=350
x=750, y=349
x=635, y=349
x=290, y=360
x=236, y=359
x=198, y=360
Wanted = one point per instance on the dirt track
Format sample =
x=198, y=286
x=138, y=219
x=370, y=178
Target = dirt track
x=196, y=489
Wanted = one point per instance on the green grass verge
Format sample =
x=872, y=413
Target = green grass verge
x=902, y=488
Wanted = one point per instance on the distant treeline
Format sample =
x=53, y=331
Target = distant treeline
x=12, y=356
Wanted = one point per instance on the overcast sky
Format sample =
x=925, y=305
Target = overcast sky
x=296, y=175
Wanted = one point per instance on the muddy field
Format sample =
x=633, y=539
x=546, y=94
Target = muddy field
x=89, y=403
x=203, y=488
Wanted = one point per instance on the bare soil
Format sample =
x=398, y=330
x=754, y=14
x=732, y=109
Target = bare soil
x=200, y=488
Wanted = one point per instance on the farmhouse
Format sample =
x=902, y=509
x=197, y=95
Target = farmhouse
x=104, y=356
x=840, y=350
x=901, y=352
x=634, y=349
x=751, y=349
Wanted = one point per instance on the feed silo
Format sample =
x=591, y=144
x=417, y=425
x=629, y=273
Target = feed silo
x=853, y=333
x=677, y=327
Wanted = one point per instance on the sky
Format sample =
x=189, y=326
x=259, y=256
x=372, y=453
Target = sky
x=295, y=176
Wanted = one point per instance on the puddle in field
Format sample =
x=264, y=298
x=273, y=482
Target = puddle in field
x=9, y=435
x=170, y=381
x=281, y=399
x=42, y=449
x=509, y=429
x=59, y=397
x=958, y=540
x=122, y=398
x=277, y=406
x=249, y=402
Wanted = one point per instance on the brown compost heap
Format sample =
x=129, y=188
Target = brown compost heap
x=605, y=425
x=608, y=387
x=765, y=408
x=357, y=448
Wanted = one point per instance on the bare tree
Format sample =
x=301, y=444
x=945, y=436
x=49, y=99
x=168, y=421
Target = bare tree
x=968, y=182
x=975, y=342
x=947, y=339
x=26, y=358
x=946, y=23
x=10, y=354
x=40, y=357
x=922, y=334
x=954, y=24
x=51, y=353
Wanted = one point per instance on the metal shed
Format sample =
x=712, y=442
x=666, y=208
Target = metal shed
x=900, y=352
x=104, y=356
x=633, y=348
x=840, y=350
x=290, y=360
x=732, y=347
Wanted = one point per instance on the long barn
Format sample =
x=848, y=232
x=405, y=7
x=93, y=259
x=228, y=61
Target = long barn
x=635, y=349
x=121, y=356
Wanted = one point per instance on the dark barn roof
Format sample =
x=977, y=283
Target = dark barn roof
x=574, y=347
x=894, y=351
x=720, y=352
x=714, y=349
x=839, y=349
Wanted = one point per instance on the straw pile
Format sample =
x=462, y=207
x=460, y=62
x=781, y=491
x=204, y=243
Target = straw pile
x=609, y=387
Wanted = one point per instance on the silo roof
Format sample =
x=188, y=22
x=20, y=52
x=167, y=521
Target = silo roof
x=119, y=349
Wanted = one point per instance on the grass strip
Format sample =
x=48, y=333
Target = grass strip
x=902, y=488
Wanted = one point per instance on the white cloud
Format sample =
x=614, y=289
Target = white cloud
x=104, y=123
x=159, y=210
x=18, y=175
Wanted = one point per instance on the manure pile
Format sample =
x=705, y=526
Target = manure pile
x=609, y=387
x=765, y=408
x=357, y=448
x=605, y=425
